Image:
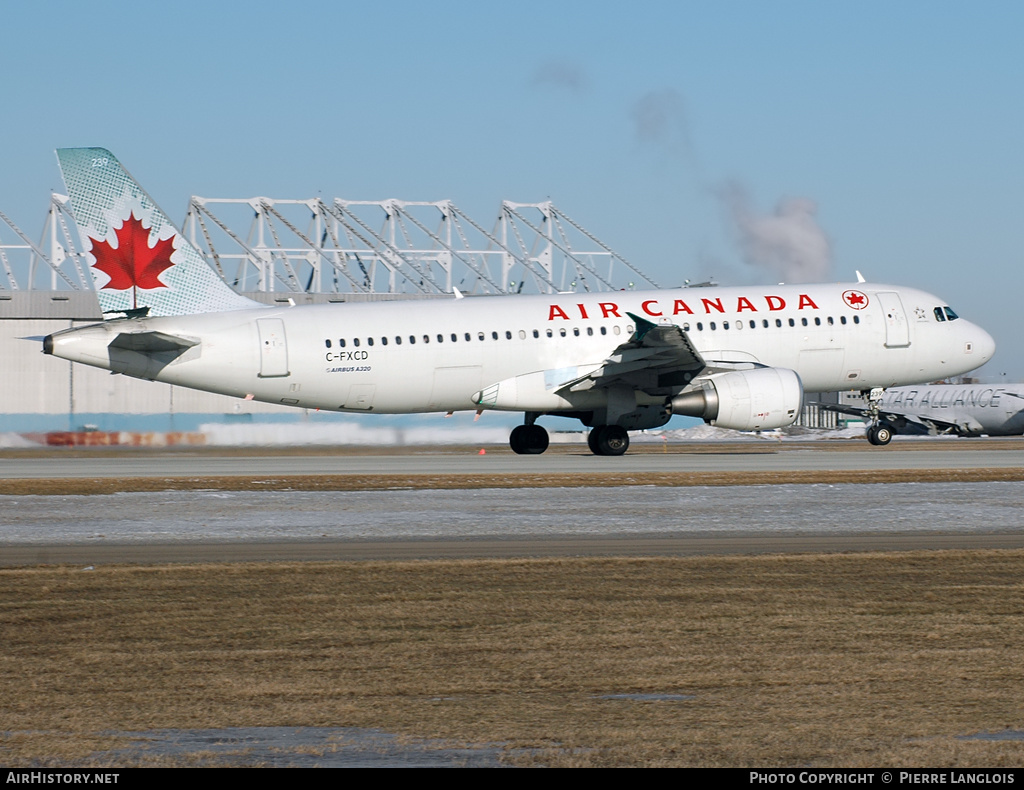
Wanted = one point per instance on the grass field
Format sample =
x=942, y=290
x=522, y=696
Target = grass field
x=812, y=660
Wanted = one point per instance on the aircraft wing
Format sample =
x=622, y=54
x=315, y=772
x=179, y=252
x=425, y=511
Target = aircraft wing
x=655, y=357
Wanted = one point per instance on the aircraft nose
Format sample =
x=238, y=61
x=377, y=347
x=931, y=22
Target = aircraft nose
x=981, y=344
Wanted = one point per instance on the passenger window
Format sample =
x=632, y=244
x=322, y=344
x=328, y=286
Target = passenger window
x=616, y=330
x=536, y=333
x=590, y=331
x=753, y=324
x=383, y=341
x=341, y=343
x=725, y=325
x=522, y=334
x=480, y=335
x=355, y=342
x=817, y=321
x=328, y=343
x=508, y=335
x=562, y=331
x=700, y=326
x=711, y=325
x=792, y=322
x=455, y=337
x=778, y=322
x=830, y=321
x=412, y=340
x=398, y=340
x=469, y=336
x=856, y=319
x=803, y=321
x=550, y=333
x=604, y=330
x=369, y=341
x=576, y=331
x=842, y=320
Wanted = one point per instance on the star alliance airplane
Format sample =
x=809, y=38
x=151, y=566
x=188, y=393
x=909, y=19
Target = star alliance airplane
x=617, y=361
x=945, y=410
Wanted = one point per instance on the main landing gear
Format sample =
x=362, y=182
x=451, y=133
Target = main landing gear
x=532, y=439
x=529, y=439
x=608, y=440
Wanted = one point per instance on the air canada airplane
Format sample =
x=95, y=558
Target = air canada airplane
x=739, y=358
x=950, y=409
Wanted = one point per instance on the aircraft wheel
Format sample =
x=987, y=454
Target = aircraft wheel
x=593, y=439
x=613, y=440
x=537, y=439
x=528, y=440
x=883, y=434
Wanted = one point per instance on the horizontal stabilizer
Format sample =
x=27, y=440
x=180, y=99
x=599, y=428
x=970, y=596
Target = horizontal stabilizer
x=151, y=342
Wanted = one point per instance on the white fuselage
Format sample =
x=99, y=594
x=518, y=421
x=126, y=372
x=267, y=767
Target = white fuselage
x=434, y=355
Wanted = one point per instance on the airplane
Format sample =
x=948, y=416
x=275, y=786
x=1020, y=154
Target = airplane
x=737, y=357
x=945, y=409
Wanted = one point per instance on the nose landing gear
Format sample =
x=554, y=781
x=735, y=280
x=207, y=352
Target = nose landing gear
x=880, y=434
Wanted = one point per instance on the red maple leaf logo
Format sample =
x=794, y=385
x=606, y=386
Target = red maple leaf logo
x=133, y=263
x=855, y=299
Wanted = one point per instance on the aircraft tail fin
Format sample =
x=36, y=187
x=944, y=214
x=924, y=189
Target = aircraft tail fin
x=142, y=264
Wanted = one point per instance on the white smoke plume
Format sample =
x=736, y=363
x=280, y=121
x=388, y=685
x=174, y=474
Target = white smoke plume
x=788, y=243
x=659, y=118
x=560, y=74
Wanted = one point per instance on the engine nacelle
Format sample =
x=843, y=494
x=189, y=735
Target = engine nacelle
x=745, y=400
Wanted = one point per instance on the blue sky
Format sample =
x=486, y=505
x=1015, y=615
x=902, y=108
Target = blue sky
x=889, y=133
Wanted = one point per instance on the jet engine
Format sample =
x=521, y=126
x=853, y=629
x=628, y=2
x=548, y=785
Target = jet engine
x=744, y=400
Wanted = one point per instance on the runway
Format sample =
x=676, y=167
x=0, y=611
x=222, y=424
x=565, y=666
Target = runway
x=762, y=456
x=501, y=505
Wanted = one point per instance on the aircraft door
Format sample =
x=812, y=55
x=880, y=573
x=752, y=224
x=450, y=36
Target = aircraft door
x=273, y=348
x=897, y=330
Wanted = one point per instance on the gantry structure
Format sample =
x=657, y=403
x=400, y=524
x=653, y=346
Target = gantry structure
x=341, y=248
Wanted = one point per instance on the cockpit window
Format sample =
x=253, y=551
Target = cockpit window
x=950, y=314
x=939, y=315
